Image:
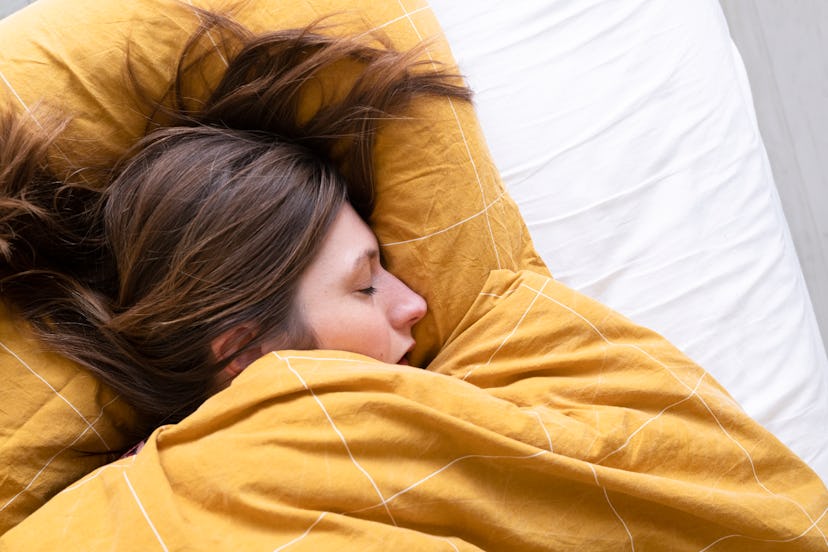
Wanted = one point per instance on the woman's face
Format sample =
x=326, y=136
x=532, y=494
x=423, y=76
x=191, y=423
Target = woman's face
x=350, y=302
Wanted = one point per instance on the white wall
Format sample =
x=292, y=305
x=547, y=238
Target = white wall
x=9, y=6
x=784, y=44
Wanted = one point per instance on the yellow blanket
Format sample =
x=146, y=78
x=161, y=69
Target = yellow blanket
x=548, y=422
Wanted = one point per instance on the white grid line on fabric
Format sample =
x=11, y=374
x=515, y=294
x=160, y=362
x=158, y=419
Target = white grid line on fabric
x=697, y=395
x=122, y=463
x=605, y=338
x=341, y=436
x=514, y=329
x=444, y=539
x=487, y=206
x=614, y=511
x=450, y=227
x=757, y=539
x=652, y=419
x=58, y=453
x=144, y=512
x=755, y=474
x=597, y=423
x=209, y=35
x=508, y=293
x=30, y=113
x=42, y=469
x=479, y=182
x=56, y=392
x=444, y=468
x=303, y=535
x=381, y=367
x=538, y=417
x=16, y=95
x=406, y=15
x=465, y=143
x=323, y=514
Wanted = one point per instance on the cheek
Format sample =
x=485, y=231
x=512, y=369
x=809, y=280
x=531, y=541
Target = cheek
x=354, y=327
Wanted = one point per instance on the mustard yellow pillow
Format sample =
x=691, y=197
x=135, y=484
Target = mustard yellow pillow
x=57, y=423
x=442, y=213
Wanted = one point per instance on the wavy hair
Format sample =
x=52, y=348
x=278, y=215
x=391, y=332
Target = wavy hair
x=209, y=221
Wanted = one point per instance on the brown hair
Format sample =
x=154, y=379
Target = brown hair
x=209, y=221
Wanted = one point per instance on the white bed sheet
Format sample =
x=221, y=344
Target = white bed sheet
x=626, y=132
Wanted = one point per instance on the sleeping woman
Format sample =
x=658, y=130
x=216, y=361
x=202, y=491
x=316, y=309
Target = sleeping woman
x=237, y=226
x=225, y=233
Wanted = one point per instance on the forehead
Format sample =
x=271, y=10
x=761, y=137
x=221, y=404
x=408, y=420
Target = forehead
x=349, y=242
x=348, y=228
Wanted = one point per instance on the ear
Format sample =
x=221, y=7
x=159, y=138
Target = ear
x=228, y=344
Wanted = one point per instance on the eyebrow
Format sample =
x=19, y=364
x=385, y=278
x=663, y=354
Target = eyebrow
x=367, y=255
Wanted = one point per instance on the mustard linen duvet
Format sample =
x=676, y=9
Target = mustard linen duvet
x=548, y=422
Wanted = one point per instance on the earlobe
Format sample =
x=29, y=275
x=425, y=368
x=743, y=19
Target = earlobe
x=238, y=364
x=228, y=344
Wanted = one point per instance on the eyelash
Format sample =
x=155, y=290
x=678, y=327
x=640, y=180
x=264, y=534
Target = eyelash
x=370, y=290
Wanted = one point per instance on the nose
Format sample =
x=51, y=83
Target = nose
x=409, y=307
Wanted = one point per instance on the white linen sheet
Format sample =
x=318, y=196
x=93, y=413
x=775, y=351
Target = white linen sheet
x=626, y=132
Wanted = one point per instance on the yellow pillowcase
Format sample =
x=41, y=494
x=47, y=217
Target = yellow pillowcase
x=442, y=214
x=57, y=423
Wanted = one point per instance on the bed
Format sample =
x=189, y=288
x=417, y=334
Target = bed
x=624, y=132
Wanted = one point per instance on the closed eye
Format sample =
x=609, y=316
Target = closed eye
x=370, y=290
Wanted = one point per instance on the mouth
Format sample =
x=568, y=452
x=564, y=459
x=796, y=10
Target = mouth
x=404, y=360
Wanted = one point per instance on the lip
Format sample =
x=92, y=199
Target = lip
x=404, y=360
